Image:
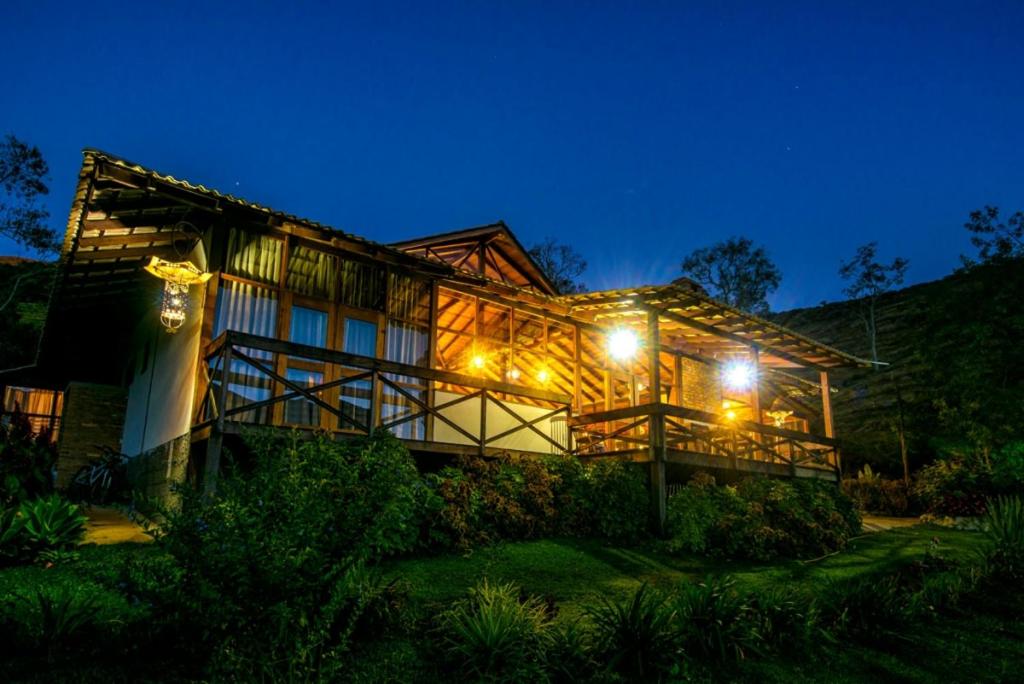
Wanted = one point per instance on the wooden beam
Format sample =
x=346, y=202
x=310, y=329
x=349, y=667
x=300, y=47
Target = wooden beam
x=826, y=406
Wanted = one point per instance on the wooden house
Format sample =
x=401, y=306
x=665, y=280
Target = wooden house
x=457, y=343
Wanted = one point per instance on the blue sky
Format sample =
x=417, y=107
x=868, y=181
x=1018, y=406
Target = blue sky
x=635, y=131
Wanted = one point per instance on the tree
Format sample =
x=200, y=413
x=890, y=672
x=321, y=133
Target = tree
x=22, y=174
x=562, y=264
x=870, y=280
x=995, y=240
x=736, y=272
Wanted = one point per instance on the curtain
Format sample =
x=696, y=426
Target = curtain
x=299, y=410
x=254, y=256
x=252, y=310
x=362, y=285
x=311, y=272
x=360, y=337
x=308, y=326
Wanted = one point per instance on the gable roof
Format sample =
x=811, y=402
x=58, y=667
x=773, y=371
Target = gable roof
x=492, y=251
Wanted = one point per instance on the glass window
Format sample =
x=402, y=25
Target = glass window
x=362, y=285
x=300, y=410
x=360, y=337
x=308, y=326
x=254, y=256
x=245, y=308
x=311, y=272
x=407, y=343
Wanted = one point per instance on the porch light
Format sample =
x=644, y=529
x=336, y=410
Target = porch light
x=622, y=344
x=177, y=277
x=543, y=375
x=730, y=415
x=479, y=361
x=739, y=375
x=513, y=374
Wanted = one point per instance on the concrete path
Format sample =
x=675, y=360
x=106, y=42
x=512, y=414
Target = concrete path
x=881, y=523
x=111, y=526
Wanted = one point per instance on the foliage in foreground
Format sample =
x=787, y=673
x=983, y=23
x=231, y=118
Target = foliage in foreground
x=760, y=518
x=274, y=570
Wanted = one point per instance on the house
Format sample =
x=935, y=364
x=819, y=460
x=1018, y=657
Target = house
x=181, y=315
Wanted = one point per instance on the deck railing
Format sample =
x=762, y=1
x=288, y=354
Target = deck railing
x=251, y=379
x=259, y=380
x=627, y=433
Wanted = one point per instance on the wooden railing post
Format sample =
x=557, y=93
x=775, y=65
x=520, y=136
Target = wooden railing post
x=376, y=395
x=656, y=422
x=215, y=444
x=483, y=421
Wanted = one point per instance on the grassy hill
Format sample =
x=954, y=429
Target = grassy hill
x=938, y=338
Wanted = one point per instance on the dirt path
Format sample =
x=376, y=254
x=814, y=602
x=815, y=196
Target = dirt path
x=881, y=523
x=111, y=526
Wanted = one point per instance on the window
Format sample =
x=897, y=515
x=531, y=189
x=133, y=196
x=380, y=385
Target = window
x=356, y=396
x=308, y=326
x=311, y=273
x=362, y=285
x=254, y=256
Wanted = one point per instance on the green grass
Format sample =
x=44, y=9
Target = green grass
x=576, y=573
x=982, y=642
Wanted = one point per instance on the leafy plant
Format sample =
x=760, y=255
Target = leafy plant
x=636, y=638
x=51, y=523
x=56, y=617
x=11, y=525
x=785, y=619
x=715, y=621
x=865, y=607
x=619, y=501
x=569, y=654
x=493, y=635
x=1003, y=526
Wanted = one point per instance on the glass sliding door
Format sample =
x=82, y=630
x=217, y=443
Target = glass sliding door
x=308, y=326
x=358, y=336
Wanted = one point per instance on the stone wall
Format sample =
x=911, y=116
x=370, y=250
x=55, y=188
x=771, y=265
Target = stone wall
x=93, y=418
x=701, y=386
x=153, y=473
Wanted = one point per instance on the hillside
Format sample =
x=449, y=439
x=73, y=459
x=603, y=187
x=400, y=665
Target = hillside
x=930, y=334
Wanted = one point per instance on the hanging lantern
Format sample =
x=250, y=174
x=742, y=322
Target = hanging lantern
x=177, y=277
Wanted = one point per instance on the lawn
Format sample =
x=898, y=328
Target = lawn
x=577, y=573
x=983, y=642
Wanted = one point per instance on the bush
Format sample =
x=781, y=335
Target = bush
x=786, y=619
x=272, y=568
x=715, y=622
x=760, y=518
x=1003, y=526
x=26, y=462
x=495, y=636
x=636, y=638
x=618, y=501
x=955, y=486
x=878, y=495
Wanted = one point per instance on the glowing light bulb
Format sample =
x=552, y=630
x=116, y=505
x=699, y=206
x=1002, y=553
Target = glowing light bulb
x=542, y=375
x=478, y=362
x=622, y=344
x=730, y=415
x=738, y=375
x=513, y=374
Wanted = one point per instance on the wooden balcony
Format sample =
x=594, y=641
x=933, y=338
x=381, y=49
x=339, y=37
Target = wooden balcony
x=690, y=437
x=245, y=380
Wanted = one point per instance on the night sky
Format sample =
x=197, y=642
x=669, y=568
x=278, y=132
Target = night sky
x=636, y=134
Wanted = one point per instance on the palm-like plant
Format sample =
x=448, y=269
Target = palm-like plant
x=636, y=638
x=715, y=620
x=51, y=523
x=11, y=525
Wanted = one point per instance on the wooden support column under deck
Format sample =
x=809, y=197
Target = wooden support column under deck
x=826, y=415
x=656, y=425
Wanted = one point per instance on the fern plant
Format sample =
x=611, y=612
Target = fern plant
x=51, y=523
x=715, y=621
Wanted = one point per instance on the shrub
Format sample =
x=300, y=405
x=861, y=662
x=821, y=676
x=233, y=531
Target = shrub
x=785, y=619
x=867, y=607
x=50, y=523
x=11, y=525
x=636, y=638
x=618, y=501
x=760, y=518
x=496, y=637
x=26, y=462
x=878, y=495
x=1008, y=469
x=715, y=622
x=1003, y=527
x=954, y=486
x=271, y=569
x=569, y=655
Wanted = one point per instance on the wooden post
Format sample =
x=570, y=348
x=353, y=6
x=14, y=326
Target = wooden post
x=216, y=441
x=428, y=428
x=826, y=405
x=483, y=421
x=678, y=373
x=656, y=423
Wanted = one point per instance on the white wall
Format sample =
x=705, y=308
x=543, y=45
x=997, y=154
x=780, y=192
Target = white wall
x=467, y=416
x=160, y=399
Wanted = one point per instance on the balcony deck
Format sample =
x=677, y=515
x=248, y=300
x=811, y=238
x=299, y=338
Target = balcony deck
x=444, y=412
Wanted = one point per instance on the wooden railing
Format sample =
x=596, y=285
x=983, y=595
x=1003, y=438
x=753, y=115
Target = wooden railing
x=244, y=379
x=627, y=432
x=359, y=394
